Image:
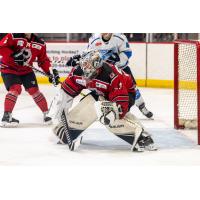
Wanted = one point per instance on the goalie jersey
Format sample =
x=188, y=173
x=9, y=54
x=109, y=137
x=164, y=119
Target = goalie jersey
x=118, y=44
x=110, y=83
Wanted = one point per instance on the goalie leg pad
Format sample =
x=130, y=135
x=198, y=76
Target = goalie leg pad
x=129, y=125
x=60, y=134
x=128, y=138
x=82, y=115
x=58, y=130
x=76, y=121
x=129, y=129
x=60, y=102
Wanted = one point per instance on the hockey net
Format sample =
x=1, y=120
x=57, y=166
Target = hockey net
x=187, y=85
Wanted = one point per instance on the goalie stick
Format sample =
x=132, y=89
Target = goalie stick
x=67, y=131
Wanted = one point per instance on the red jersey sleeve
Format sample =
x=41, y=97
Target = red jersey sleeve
x=6, y=46
x=70, y=86
x=43, y=60
x=118, y=93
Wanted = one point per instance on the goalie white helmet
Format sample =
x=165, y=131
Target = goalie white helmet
x=90, y=63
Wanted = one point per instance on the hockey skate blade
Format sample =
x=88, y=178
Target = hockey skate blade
x=138, y=149
x=145, y=149
x=50, y=122
x=9, y=125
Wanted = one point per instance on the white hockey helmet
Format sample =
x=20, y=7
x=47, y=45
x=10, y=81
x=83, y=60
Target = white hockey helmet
x=90, y=63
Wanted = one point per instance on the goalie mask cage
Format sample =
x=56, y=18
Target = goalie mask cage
x=187, y=85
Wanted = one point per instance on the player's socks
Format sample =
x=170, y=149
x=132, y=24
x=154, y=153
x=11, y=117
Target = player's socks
x=41, y=101
x=10, y=101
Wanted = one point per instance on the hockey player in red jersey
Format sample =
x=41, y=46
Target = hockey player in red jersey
x=18, y=51
x=111, y=106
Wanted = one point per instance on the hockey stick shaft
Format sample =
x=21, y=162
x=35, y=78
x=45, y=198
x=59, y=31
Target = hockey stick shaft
x=66, y=130
x=45, y=74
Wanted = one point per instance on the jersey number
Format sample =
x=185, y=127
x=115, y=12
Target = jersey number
x=27, y=56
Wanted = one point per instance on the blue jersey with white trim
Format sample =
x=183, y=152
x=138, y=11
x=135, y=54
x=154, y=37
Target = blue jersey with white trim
x=117, y=44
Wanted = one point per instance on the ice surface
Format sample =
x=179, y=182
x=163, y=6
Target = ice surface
x=33, y=143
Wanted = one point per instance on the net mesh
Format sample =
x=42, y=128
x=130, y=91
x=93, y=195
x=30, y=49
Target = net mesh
x=187, y=84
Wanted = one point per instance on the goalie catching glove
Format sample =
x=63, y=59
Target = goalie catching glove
x=54, y=77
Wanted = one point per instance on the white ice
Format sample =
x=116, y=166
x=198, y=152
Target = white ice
x=33, y=143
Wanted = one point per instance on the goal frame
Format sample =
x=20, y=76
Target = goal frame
x=176, y=85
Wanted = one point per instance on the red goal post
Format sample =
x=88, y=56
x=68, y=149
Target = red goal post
x=187, y=85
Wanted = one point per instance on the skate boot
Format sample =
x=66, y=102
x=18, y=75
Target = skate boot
x=144, y=111
x=144, y=143
x=8, y=120
x=47, y=120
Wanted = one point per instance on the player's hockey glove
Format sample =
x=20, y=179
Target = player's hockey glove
x=54, y=77
x=73, y=61
x=18, y=57
x=113, y=58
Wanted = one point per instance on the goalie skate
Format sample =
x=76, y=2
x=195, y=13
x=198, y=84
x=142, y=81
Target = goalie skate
x=144, y=143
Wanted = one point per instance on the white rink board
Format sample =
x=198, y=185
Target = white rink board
x=160, y=61
x=59, y=54
x=63, y=51
x=138, y=60
x=155, y=62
